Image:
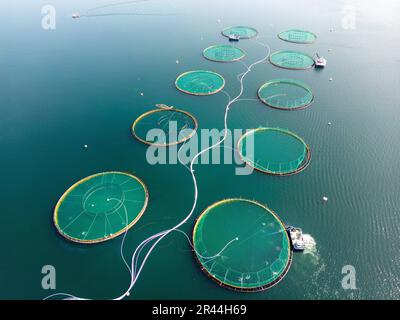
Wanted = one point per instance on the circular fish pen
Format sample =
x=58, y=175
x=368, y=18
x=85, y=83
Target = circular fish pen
x=242, y=32
x=164, y=127
x=274, y=151
x=100, y=207
x=293, y=60
x=200, y=82
x=256, y=252
x=297, y=36
x=286, y=94
x=224, y=53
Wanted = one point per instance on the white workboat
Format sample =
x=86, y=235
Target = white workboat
x=296, y=238
x=233, y=37
x=320, y=62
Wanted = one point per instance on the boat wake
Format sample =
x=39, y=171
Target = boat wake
x=310, y=246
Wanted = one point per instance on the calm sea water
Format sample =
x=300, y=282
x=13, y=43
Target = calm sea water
x=81, y=84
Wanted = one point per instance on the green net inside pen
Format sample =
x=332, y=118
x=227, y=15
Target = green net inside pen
x=274, y=151
x=286, y=94
x=242, y=245
x=200, y=82
x=100, y=207
x=165, y=126
x=297, y=36
x=224, y=53
x=243, y=32
x=289, y=59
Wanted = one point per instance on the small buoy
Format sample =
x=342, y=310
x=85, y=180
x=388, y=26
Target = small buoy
x=85, y=146
x=177, y=61
x=330, y=79
x=325, y=198
x=142, y=94
x=128, y=294
x=329, y=123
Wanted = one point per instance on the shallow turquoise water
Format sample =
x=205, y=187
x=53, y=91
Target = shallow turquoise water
x=81, y=84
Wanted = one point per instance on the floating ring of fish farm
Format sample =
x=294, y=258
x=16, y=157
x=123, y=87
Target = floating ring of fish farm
x=274, y=151
x=242, y=245
x=100, y=207
x=200, y=82
x=297, y=36
x=224, y=53
x=286, y=94
x=164, y=127
x=293, y=60
x=242, y=32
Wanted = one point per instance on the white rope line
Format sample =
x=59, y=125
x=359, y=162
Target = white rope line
x=123, y=241
x=74, y=219
x=90, y=227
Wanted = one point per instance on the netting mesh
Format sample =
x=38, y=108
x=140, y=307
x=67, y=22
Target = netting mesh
x=242, y=31
x=165, y=126
x=260, y=255
x=274, y=151
x=224, y=53
x=287, y=94
x=297, y=36
x=291, y=60
x=100, y=207
x=200, y=82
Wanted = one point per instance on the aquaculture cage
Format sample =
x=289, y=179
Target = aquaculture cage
x=298, y=36
x=100, y=207
x=242, y=32
x=200, y=82
x=165, y=126
x=289, y=59
x=241, y=244
x=223, y=53
x=274, y=151
x=286, y=94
